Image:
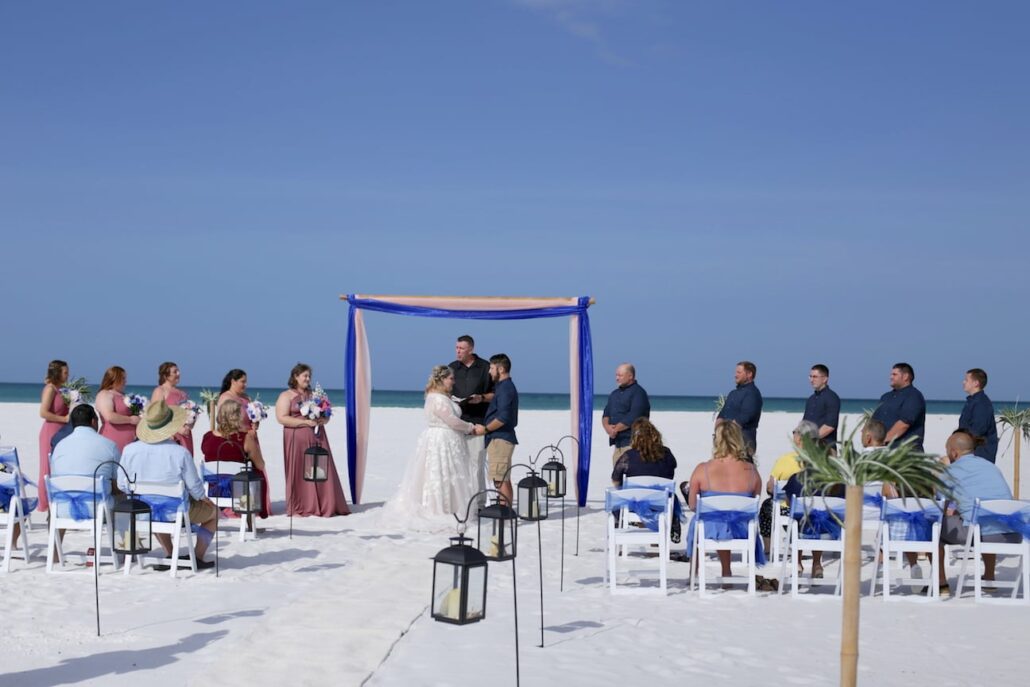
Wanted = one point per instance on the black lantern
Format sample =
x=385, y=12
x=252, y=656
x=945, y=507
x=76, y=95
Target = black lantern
x=316, y=461
x=497, y=522
x=247, y=491
x=459, y=583
x=532, y=499
x=553, y=473
x=131, y=529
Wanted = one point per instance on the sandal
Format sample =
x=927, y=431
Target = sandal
x=767, y=584
x=817, y=572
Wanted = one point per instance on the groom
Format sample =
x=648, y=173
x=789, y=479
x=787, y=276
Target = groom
x=502, y=416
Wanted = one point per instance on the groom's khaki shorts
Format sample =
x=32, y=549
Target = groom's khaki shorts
x=498, y=456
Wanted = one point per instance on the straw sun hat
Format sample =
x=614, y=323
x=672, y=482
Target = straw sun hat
x=159, y=422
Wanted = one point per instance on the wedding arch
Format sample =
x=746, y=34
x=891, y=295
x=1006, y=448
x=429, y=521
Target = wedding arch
x=359, y=373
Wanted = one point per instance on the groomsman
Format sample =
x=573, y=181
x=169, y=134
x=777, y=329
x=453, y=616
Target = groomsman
x=626, y=405
x=744, y=404
x=978, y=415
x=823, y=407
x=502, y=416
x=473, y=385
x=902, y=410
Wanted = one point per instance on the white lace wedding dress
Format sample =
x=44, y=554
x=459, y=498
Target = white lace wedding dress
x=438, y=481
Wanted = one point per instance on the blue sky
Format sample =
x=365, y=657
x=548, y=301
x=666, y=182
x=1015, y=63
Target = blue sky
x=783, y=182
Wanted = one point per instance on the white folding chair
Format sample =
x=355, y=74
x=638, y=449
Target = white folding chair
x=742, y=509
x=778, y=536
x=215, y=482
x=649, y=482
x=171, y=516
x=71, y=509
x=16, y=503
x=1013, y=516
x=922, y=514
x=822, y=517
x=872, y=502
x=658, y=502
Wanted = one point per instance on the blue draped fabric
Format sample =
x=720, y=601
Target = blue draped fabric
x=80, y=502
x=586, y=369
x=648, y=509
x=919, y=523
x=874, y=500
x=219, y=484
x=726, y=524
x=163, y=508
x=6, y=494
x=677, y=507
x=816, y=523
x=1011, y=522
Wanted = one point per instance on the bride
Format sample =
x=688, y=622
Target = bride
x=439, y=480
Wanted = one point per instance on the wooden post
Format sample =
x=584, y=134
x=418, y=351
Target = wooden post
x=1017, y=431
x=852, y=581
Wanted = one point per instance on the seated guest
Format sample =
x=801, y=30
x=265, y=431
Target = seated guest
x=157, y=458
x=84, y=450
x=971, y=477
x=730, y=471
x=874, y=434
x=647, y=457
x=785, y=466
x=229, y=442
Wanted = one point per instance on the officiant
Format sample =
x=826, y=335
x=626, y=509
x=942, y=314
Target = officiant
x=473, y=389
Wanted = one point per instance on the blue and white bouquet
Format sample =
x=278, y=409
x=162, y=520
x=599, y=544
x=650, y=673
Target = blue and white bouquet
x=317, y=406
x=76, y=392
x=135, y=403
x=257, y=411
x=193, y=411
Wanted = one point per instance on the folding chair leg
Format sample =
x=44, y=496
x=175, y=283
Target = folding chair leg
x=52, y=546
x=877, y=552
x=1026, y=571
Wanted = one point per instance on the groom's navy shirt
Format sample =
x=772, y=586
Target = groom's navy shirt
x=504, y=407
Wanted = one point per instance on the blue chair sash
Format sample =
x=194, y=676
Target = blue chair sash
x=677, y=507
x=163, y=508
x=80, y=502
x=920, y=522
x=874, y=500
x=736, y=522
x=817, y=522
x=218, y=485
x=1012, y=522
x=6, y=494
x=648, y=509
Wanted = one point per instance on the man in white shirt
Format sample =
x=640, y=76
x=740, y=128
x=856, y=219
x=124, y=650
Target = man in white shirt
x=156, y=458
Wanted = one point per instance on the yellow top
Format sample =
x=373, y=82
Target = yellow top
x=785, y=466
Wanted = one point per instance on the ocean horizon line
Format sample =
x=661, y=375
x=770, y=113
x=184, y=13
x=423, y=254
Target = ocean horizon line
x=25, y=392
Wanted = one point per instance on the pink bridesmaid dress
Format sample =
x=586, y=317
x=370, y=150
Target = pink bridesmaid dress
x=121, y=435
x=324, y=499
x=46, y=433
x=176, y=397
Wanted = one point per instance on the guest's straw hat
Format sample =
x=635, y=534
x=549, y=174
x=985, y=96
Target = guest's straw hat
x=160, y=421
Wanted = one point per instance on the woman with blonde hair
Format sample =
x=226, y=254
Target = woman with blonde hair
x=54, y=411
x=728, y=472
x=229, y=442
x=119, y=424
x=439, y=480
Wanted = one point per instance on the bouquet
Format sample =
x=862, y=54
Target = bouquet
x=318, y=406
x=76, y=392
x=257, y=411
x=193, y=411
x=136, y=403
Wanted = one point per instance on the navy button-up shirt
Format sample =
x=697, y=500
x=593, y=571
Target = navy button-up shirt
x=978, y=418
x=504, y=407
x=907, y=405
x=744, y=406
x=823, y=408
x=626, y=404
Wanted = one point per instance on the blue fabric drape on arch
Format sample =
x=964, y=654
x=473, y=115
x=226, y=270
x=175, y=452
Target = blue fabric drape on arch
x=485, y=309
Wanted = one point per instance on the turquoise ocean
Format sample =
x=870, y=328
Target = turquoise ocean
x=382, y=398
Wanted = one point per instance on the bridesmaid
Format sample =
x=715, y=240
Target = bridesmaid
x=54, y=411
x=119, y=424
x=168, y=390
x=324, y=499
x=234, y=388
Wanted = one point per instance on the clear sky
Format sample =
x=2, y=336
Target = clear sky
x=785, y=182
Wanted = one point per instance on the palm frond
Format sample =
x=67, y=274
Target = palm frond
x=82, y=386
x=719, y=403
x=1015, y=419
x=867, y=415
x=913, y=472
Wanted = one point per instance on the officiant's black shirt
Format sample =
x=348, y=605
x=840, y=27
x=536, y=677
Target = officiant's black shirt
x=474, y=379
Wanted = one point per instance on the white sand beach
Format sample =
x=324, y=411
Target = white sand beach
x=345, y=603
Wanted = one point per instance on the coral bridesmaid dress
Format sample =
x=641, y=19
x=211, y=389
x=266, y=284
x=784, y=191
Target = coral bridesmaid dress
x=121, y=435
x=324, y=499
x=176, y=397
x=46, y=433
